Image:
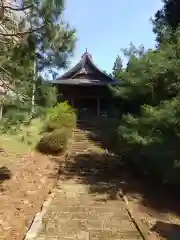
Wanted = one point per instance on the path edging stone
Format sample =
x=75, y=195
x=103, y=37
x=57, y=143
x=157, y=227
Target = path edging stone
x=37, y=222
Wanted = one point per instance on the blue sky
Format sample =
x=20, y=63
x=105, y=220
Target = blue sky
x=105, y=27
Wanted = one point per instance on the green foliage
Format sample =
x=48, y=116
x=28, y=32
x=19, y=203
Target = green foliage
x=167, y=20
x=59, y=123
x=45, y=95
x=54, y=43
x=22, y=136
x=54, y=142
x=61, y=116
x=153, y=76
x=46, y=49
x=118, y=66
x=12, y=120
x=149, y=134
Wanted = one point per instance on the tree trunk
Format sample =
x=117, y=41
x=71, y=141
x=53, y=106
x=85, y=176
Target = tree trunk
x=34, y=89
x=1, y=110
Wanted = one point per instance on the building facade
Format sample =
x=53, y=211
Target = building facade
x=86, y=88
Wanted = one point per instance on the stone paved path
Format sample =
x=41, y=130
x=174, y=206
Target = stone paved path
x=82, y=209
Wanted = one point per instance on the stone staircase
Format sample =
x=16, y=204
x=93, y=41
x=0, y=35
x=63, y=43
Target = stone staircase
x=84, y=207
x=82, y=138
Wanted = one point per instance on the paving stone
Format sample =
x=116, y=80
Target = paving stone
x=77, y=214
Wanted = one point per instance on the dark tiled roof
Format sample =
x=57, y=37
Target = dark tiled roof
x=87, y=73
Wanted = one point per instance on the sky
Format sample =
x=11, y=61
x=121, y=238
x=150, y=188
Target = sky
x=105, y=27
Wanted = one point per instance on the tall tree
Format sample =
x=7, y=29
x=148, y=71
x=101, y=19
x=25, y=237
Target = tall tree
x=152, y=86
x=48, y=36
x=118, y=66
x=167, y=20
x=46, y=45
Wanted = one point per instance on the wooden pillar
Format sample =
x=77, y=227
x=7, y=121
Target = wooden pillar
x=98, y=107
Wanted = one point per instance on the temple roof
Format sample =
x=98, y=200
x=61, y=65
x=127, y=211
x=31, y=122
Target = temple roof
x=85, y=72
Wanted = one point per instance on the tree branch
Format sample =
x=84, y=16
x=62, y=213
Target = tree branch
x=22, y=33
x=7, y=87
x=17, y=9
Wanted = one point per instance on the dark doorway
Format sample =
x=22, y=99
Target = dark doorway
x=86, y=107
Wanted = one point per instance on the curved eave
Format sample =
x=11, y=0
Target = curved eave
x=85, y=82
x=99, y=70
x=80, y=65
x=71, y=71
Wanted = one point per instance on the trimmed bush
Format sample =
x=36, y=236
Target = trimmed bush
x=54, y=142
x=61, y=116
x=59, y=123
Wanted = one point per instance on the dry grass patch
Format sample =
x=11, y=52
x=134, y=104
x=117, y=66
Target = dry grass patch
x=25, y=181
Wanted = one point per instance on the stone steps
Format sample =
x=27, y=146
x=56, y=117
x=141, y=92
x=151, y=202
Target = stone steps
x=82, y=208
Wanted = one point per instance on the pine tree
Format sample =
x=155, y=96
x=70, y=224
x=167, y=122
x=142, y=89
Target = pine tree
x=45, y=44
x=150, y=134
x=118, y=66
x=166, y=20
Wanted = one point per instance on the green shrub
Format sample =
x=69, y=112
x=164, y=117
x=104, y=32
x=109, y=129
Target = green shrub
x=58, y=126
x=61, y=116
x=30, y=133
x=12, y=119
x=54, y=142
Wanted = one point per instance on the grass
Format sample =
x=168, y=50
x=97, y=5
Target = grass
x=26, y=177
x=30, y=134
x=21, y=143
x=13, y=150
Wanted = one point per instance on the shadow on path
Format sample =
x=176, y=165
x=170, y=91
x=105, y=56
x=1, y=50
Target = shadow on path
x=5, y=174
x=106, y=175
x=167, y=230
x=103, y=131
